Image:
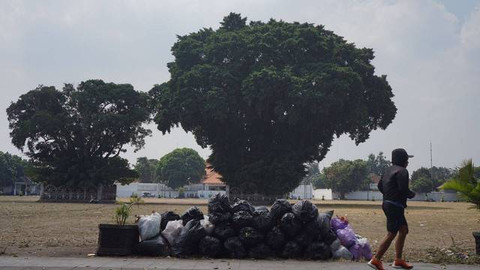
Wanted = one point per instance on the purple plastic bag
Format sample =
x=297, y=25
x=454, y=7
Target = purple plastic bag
x=356, y=251
x=347, y=237
x=338, y=224
x=365, y=248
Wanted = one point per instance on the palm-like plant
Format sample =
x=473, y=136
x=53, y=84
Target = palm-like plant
x=466, y=184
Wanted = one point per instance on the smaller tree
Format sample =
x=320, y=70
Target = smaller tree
x=421, y=173
x=422, y=184
x=180, y=167
x=345, y=176
x=377, y=164
x=12, y=167
x=440, y=175
x=147, y=169
x=314, y=175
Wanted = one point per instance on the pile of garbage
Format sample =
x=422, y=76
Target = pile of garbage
x=244, y=231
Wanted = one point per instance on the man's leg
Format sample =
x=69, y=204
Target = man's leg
x=385, y=244
x=400, y=242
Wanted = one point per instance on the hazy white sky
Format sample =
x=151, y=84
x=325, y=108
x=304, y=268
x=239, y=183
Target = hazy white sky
x=430, y=50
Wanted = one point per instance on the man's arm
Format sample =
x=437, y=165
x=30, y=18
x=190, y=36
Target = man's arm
x=402, y=181
x=380, y=184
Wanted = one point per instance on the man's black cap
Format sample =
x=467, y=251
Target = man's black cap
x=400, y=156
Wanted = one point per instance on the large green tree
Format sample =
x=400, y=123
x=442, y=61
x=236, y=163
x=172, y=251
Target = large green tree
x=146, y=169
x=345, y=176
x=268, y=98
x=75, y=136
x=12, y=167
x=180, y=167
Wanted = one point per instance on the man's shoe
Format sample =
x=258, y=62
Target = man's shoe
x=401, y=264
x=375, y=264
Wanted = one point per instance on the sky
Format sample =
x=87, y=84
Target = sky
x=429, y=50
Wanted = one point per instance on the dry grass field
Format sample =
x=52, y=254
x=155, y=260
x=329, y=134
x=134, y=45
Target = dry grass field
x=32, y=228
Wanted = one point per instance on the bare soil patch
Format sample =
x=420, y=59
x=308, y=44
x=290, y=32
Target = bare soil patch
x=33, y=228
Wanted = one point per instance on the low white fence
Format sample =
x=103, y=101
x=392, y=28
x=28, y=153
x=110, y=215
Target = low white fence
x=377, y=196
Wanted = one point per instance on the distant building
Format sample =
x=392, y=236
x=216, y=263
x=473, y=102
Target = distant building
x=22, y=186
x=210, y=185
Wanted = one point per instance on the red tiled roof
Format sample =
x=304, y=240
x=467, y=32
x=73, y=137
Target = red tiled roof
x=212, y=177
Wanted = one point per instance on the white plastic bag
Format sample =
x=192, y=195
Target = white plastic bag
x=172, y=230
x=335, y=245
x=207, y=225
x=149, y=226
x=342, y=253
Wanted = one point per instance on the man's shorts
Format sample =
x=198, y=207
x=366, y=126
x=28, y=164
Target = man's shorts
x=395, y=217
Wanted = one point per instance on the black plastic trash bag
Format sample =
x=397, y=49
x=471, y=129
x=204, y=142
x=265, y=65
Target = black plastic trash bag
x=235, y=248
x=329, y=238
x=223, y=231
x=319, y=228
x=242, y=205
x=312, y=228
x=326, y=233
x=219, y=204
x=290, y=225
x=323, y=221
x=260, y=251
x=262, y=222
x=303, y=239
x=260, y=210
x=318, y=251
x=279, y=208
x=192, y=213
x=292, y=250
x=186, y=244
x=250, y=237
x=275, y=239
x=219, y=217
x=210, y=247
x=305, y=211
x=157, y=247
x=166, y=217
x=242, y=219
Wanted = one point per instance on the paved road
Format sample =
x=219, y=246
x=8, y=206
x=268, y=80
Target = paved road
x=103, y=263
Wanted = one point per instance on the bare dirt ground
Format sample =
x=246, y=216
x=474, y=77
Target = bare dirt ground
x=33, y=228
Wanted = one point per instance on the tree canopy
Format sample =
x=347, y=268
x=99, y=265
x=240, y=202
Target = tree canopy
x=180, y=167
x=377, y=164
x=75, y=136
x=345, y=176
x=269, y=97
x=147, y=169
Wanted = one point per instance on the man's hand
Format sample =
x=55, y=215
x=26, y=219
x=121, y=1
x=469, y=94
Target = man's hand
x=411, y=194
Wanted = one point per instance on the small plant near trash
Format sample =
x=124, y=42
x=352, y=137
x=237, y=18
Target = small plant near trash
x=123, y=211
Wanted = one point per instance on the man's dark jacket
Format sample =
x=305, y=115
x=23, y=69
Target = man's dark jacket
x=394, y=185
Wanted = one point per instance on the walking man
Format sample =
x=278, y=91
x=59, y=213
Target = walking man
x=394, y=187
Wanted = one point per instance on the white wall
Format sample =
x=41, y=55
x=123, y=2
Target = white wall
x=377, y=196
x=326, y=194
x=303, y=192
x=126, y=190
